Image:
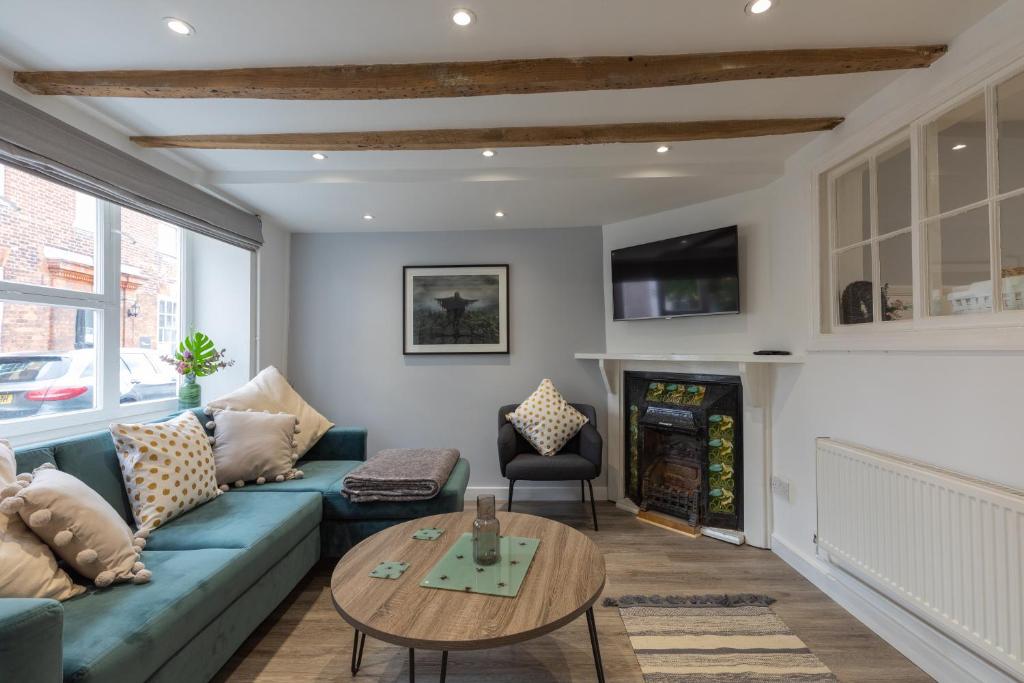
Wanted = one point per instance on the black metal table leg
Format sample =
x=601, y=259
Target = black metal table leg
x=593, y=505
x=358, y=642
x=412, y=665
x=444, y=664
x=592, y=626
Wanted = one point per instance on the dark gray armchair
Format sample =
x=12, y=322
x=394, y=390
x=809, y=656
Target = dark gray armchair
x=579, y=459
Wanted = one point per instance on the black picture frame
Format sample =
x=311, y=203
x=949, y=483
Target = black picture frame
x=452, y=326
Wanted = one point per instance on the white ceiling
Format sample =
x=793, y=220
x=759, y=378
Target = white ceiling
x=537, y=187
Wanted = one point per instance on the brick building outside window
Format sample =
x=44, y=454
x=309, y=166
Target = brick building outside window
x=48, y=237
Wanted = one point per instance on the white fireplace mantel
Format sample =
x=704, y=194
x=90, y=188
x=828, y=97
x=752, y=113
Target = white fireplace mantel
x=756, y=374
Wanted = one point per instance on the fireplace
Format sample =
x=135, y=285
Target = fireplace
x=684, y=449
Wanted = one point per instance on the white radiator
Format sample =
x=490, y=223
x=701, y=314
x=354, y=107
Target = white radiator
x=947, y=547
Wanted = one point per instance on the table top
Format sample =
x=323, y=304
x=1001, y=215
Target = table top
x=565, y=579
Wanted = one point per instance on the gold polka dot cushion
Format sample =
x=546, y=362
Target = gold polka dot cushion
x=168, y=468
x=253, y=446
x=546, y=419
x=79, y=525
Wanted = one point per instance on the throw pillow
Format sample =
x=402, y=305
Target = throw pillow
x=167, y=468
x=79, y=525
x=270, y=391
x=250, y=446
x=546, y=419
x=28, y=568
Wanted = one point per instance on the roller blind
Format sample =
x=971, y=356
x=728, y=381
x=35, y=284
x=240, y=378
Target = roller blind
x=39, y=143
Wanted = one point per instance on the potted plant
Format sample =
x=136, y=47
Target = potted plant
x=197, y=356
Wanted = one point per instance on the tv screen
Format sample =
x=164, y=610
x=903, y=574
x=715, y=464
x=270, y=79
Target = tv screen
x=694, y=274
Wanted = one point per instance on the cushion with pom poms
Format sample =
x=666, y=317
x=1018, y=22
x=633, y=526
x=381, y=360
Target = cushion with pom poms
x=28, y=568
x=254, y=447
x=79, y=526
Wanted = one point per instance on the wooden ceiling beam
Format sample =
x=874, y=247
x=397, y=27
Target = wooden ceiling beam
x=470, y=79
x=479, y=138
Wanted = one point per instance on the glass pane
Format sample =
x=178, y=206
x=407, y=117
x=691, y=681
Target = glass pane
x=895, y=270
x=46, y=360
x=1010, y=97
x=853, y=206
x=894, y=189
x=1011, y=246
x=958, y=260
x=853, y=275
x=150, y=290
x=957, y=170
x=47, y=233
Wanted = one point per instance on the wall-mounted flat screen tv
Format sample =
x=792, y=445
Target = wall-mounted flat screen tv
x=695, y=274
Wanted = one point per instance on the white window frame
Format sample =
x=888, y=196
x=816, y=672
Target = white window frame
x=160, y=302
x=873, y=242
x=106, y=304
x=998, y=330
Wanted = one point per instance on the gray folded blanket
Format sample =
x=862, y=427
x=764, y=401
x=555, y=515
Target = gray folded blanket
x=399, y=474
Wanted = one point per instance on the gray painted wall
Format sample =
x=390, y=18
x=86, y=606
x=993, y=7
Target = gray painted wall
x=345, y=348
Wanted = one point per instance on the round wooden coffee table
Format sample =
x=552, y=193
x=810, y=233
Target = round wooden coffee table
x=564, y=581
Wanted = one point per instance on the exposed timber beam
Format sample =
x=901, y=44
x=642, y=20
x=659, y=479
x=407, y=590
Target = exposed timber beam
x=475, y=138
x=469, y=79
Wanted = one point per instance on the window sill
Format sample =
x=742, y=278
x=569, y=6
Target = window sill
x=1003, y=339
x=38, y=430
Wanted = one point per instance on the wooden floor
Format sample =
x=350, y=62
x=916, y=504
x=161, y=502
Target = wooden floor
x=305, y=639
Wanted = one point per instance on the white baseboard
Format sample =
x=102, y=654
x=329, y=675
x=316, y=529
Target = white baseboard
x=525, y=493
x=938, y=655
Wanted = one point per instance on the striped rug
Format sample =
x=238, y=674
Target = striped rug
x=715, y=639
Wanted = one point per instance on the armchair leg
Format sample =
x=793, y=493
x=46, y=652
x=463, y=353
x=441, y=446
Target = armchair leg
x=583, y=496
x=511, y=485
x=593, y=505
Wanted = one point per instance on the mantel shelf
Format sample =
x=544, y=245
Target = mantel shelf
x=695, y=358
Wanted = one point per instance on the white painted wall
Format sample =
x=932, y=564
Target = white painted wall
x=345, y=354
x=219, y=296
x=958, y=410
x=273, y=265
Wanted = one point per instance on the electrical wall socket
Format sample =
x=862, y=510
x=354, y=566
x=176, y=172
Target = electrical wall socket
x=780, y=487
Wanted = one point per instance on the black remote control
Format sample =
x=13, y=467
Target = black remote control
x=770, y=352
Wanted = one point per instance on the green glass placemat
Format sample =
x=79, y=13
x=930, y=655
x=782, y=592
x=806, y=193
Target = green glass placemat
x=456, y=571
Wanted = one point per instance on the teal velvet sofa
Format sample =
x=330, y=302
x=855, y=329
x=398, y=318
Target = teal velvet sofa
x=218, y=570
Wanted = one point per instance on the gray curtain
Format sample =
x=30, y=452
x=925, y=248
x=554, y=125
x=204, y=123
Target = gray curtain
x=36, y=142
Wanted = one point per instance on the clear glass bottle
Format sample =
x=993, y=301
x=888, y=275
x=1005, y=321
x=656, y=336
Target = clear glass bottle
x=486, y=532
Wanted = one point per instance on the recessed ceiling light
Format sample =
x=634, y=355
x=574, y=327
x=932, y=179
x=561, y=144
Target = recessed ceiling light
x=663, y=149
x=488, y=153
x=367, y=217
x=319, y=156
x=759, y=6
x=957, y=148
x=182, y=28
x=463, y=17
x=499, y=214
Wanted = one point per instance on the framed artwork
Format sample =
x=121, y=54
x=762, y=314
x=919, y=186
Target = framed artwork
x=455, y=309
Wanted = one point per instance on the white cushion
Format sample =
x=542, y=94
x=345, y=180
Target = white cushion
x=79, y=526
x=546, y=419
x=269, y=391
x=167, y=468
x=28, y=568
x=251, y=446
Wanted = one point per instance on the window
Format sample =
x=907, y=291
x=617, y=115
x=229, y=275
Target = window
x=167, y=325
x=869, y=237
x=927, y=230
x=81, y=333
x=85, y=213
